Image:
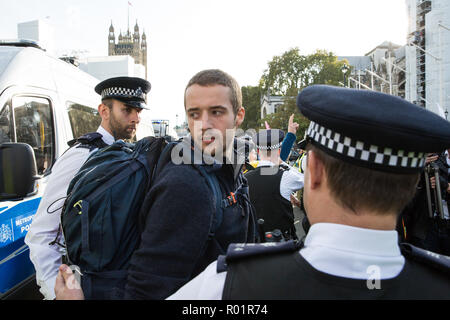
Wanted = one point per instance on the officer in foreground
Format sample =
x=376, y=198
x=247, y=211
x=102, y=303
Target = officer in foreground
x=271, y=185
x=364, y=154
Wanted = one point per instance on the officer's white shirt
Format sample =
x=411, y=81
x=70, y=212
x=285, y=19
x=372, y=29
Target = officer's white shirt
x=44, y=228
x=335, y=249
x=291, y=180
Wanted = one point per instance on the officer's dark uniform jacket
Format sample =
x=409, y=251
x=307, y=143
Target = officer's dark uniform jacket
x=175, y=244
x=269, y=205
x=415, y=215
x=278, y=271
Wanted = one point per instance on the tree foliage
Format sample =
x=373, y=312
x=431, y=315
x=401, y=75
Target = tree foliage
x=251, y=101
x=289, y=73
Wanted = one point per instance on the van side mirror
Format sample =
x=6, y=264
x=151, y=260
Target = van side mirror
x=18, y=172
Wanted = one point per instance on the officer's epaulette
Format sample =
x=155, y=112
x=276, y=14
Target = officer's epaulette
x=90, y=141
x=237, y=251
x=426, y=257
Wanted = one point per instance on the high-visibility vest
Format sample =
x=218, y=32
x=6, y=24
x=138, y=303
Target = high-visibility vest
x=298, y=163
x=254, y=164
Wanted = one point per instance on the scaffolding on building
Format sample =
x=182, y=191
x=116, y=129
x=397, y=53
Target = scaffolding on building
x=417, y=38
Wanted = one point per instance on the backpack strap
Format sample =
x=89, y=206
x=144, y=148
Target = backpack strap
x=157, y=165
x=221, y=204
x=164, y=158
x=241, y=192
x=90, y=141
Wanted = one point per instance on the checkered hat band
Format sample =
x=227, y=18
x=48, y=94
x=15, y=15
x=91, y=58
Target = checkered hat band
x=123, y=92
x=362, y=151
x=269, y=148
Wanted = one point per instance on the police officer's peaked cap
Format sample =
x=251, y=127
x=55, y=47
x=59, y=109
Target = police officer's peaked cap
x=130, y=90
x=269, y=139
x=371, y=129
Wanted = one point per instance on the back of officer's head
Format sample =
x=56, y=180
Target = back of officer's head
x=268, y=143
x=358, y=188
x=372, y=145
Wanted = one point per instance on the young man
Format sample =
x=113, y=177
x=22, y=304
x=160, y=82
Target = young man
x=364, y=154
x=177, y=242
x=123, y=98
x=271, y=185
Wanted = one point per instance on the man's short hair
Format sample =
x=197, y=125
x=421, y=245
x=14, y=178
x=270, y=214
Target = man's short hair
x=266, y=153
x=108, y=102
x=355, y=187
x=212, y=77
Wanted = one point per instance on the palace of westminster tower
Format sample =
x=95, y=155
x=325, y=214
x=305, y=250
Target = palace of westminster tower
x=129, y=44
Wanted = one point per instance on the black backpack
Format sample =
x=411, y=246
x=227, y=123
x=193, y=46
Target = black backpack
x=101, y=230
x=100, y=215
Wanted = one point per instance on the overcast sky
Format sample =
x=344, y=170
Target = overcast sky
x=237, y=36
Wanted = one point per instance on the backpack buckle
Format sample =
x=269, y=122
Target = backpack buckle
x=78, y=203
x=231, y=199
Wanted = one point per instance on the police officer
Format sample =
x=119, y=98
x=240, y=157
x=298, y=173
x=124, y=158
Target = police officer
x=123, y=98
x=271, y=185
x=299, y=164
x=365, y=150
x=438, y=238
x=424, y=223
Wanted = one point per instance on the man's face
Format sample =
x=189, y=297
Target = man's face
x=123, y=120
x=210, y=115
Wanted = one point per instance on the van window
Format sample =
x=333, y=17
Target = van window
x=5, y=124
x=34, y=125
x=83, y=119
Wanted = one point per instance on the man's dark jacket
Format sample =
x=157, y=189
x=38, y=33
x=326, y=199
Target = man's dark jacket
x=174, y=244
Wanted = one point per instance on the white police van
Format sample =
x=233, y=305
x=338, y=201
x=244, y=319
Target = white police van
x=161, y=128
x=44, y=102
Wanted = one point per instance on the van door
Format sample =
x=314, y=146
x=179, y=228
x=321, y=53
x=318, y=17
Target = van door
x=28, y=118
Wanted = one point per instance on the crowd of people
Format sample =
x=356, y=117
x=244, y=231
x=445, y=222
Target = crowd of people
x=207, y=226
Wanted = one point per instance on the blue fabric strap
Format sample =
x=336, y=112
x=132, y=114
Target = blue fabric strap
x=214, y=186
x=85, y=227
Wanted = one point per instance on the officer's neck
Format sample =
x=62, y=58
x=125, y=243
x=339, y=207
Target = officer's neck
x=323, y=208
x=275, y=159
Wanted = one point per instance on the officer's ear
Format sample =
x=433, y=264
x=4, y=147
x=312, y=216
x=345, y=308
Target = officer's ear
x=316, y=170
x=104, y=111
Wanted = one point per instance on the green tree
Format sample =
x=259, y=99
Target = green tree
x=251, y=101
x=280, y=119
x=289, y=73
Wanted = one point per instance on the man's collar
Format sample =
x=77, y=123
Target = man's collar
x=265, y=163
x=106, y=136
x=353, y=239
x=200, y=158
